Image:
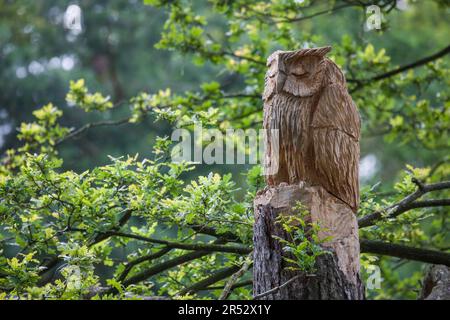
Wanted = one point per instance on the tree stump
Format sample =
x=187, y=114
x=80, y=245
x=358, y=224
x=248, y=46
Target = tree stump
x=337, y=274
x=436, y=284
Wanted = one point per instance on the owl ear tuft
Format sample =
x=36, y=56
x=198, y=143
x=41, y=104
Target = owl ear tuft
x=318, y=52
x=322, y=51
x=273, y=57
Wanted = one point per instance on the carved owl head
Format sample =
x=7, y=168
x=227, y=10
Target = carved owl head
x=297, y=72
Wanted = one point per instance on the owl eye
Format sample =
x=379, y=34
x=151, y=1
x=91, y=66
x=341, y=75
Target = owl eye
x=272, y=73
x=298, y=74
x=299, y=71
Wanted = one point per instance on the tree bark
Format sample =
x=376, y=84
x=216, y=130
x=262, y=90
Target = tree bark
x=436, y=285
x=337, y=273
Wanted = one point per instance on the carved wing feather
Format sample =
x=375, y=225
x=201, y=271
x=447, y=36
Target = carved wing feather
x=335, y=142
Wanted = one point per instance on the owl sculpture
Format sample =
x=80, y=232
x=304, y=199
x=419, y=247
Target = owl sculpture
x=312, y=125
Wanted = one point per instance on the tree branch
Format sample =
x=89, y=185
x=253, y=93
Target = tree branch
x=239, y=57
x=122, y=121
x=234, y=286
x=215, y=277
x=405, y=252
x=319, y=13
x=429, y=203
x=129, y=266
x=54, y=260
x=235, y=277
x=122, y=221
x=158, y=268
x=413, y=65
x=163, y=266
x=88, y=126
x=407, y=204
x=367, y=246
x=203, y=229
x=361, y=82
x=187, y=246
x=276, y=288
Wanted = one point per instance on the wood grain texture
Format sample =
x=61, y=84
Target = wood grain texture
x=307, y=105
x=311, y=156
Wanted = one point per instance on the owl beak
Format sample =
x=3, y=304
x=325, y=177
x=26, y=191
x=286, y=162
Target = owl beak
x=281, y=79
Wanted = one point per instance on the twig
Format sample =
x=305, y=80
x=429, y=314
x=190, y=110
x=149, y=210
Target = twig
x=234, y=286
x=235, y=277
x=130, y=265
x=361, y=82
x=413, y=65
x=319, y=13
x=258, y=296
x=88, y=126
x=215, y=277
x=407, y=204
x=163, y=266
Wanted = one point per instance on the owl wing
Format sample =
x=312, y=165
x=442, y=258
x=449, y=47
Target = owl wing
x=335, y=142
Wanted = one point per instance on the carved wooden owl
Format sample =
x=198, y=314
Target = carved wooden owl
x=306, y=100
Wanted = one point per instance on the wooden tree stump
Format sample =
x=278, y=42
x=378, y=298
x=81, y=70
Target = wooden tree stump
x=337, y=275
x=436, y=284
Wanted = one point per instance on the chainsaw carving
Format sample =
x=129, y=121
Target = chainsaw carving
x=306, y=100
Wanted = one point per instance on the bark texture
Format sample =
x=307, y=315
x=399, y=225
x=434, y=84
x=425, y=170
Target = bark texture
x=337, y=275
x=436, y=284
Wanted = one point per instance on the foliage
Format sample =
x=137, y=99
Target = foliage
x=303, y=244
x=79, y=95
x=69, y=216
